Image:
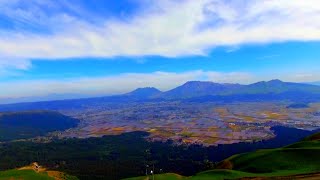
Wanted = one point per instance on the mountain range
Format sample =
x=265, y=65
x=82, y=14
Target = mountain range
x=196, y=91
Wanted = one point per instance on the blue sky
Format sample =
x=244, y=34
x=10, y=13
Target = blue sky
x=109, y=47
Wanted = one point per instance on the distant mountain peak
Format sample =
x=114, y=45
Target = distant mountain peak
x=146, y=89
x=196, y=82
x=144, y=92
x=199, y=88
x=275, y=81
x=271, y=82
x=200, y=83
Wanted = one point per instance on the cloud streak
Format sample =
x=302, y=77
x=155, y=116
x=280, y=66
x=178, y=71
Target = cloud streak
x=164, y=28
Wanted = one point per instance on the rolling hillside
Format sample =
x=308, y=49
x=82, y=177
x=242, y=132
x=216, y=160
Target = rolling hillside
x=299, y=160
x=31, y=173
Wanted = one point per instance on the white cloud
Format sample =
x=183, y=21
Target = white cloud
x=9, y=65
x=165, y=28
x=303, y=77
x=14, y=63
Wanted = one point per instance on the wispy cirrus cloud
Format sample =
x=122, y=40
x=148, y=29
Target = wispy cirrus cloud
x=10, y=65
x=52, y=30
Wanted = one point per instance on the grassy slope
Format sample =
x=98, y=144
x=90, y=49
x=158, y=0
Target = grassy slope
x=29, y=174
x=24, y=174
x=299, y=158
x=167, y=176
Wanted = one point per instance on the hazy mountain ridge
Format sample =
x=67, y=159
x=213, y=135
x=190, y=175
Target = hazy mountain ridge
x=277, y=86
x=49, y=97
x=315, y=83
x=147, y=92
x=200, y=88
x=190, y=91
x=194, y=89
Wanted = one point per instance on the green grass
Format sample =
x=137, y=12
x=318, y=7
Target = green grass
x=220, y=174
x=30, y=175
x=167, y=176
x=24, y=174
x=313, y=137
x=268, y=161
x=299, y=158
x=305, y=144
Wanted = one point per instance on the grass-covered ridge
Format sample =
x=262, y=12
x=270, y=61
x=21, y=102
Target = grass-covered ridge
x=299, y=159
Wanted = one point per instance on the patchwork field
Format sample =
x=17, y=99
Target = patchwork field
x=194, y=123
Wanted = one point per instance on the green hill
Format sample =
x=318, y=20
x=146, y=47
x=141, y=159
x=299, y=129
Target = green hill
x=24, y=174
x=314, y=137
x=29, y=174
x=301, y=158
x=167, y=176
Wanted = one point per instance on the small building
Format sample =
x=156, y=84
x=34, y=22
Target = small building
x=36, y=166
